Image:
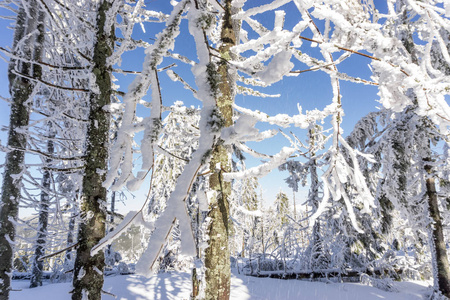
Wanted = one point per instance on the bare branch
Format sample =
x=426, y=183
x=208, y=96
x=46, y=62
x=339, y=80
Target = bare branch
x=58, y=252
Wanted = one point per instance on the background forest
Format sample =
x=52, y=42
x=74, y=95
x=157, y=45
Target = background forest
x=199, y=109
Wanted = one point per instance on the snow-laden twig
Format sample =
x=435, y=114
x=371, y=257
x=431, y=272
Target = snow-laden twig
x=264, y=169
x=121, y=153
x=283, y=120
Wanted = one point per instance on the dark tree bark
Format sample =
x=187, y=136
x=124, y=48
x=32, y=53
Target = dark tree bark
x=29, y=33
x=88, y=270
x=36, y=276
x=70, y=239
x=440, y=258
x=442, y=264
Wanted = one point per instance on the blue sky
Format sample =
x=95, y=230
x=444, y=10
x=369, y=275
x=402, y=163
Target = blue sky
x=311, y=90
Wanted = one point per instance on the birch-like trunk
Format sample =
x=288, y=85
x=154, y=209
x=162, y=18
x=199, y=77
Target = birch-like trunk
x=217, y=255
x=88, y=270
x=28, y=36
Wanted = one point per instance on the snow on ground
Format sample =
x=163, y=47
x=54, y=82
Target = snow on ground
x=176, y=286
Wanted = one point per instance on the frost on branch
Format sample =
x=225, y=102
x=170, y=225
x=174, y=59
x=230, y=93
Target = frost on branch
x=122, y=152
x=279, y=66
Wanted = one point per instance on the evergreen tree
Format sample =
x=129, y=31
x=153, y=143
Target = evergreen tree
x=424, y=136
x=88, y=270
x=27, y=48
x=38, y=264
x=282, y=208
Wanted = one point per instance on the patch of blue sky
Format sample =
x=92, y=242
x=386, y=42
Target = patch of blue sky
x=310, y=90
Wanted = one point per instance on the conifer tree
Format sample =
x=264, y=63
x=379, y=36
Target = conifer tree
x=88, y=270
x=37, y=263
x=27, y=48
x=424, y=136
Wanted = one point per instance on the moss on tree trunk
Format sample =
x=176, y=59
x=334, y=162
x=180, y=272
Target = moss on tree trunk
x=217, y=255
x=29, y=31
x=38, y=264
x=88, y=270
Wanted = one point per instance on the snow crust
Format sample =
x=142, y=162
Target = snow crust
x=176, y=286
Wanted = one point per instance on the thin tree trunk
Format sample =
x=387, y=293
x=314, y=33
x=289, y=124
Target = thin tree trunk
x=111, y=219
x=316, y=248
x=217, y=255
x=196, y=280
x=113, y=209
x=442, y=264
x=243, y=245
x=88, y=270
x=295, y=209
x=70, y=239
x=36, y=276
x=30, y=28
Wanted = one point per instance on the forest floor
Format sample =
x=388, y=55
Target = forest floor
x=176, y=286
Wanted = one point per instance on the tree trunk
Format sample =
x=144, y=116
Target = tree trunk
x=217, y=255
x=68, y=257
x=36, y=276
x=88, y=270
x=198, y=219
x=29, y=31
x=440, y=259
x=442, y=264
x=313, y=196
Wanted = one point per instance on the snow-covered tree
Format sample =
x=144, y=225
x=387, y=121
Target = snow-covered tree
x=282, y=207
x=27, y=48
x=422, y=126
x=88, y=270
x=245, y=212
x=232, y=46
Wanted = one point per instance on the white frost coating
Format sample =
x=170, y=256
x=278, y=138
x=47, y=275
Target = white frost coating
x=121, y=152
x=238, y=3
x=253, y=213
x=244, y=130
x=251, y=92
x=10, y=241
x=283, y=120
x=126, y=29
x=279, y=66
x=81, y=274
x=175, y=204
x=172, y=75
x=89, y=215
x=256, y=26
x=133, y=217
x=264, y=169
x=97, y=270
x=202, y=200
x=175, y=209
x=268, y=45
x=93, y=84
x=351, y=213
x=279, y=19
x=260, y=9
x=359, y=180
x=250, y=151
